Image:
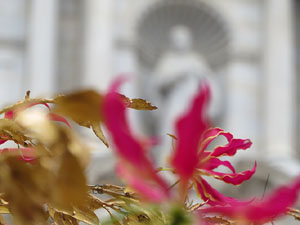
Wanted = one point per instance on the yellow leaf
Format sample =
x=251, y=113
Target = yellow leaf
x=82, y=106
x=137, y=103
x=86, y=215
x=141, y=104
x=98, y=131
x=70, y=186
x=94, y=203
x=4, y=209
x=25, y=189
x=81, y=213
x=12, y=131
x=38, y=126
x=63, y=219
x=76, y=147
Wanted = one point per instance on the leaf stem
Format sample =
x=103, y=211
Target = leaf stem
x=26, y=102
x=103, y=189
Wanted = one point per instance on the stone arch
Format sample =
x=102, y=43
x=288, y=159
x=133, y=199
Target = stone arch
x=211, y=35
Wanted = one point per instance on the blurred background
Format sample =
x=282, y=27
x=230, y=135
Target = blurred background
x=247, y=50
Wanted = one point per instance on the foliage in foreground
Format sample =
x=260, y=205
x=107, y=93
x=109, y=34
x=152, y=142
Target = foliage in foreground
x=42, y=179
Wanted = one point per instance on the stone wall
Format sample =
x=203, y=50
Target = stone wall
x=50, y=45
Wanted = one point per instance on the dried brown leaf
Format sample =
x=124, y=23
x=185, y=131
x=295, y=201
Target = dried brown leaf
x=94, y=203
x=25, y=189
x=70, y=185
x=38, y=126
x=98, y=132
x=73, y=145
x=81, y=213
x=137, y=103
x=86, y=215
x=4, y=209
x=141, y=104
x=63, y=219
x=12, y=131
x=83, y=106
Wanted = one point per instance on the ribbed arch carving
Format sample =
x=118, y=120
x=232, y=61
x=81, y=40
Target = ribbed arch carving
x=210, y=35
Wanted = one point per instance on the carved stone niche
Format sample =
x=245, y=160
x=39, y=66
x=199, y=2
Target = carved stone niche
x=209, y=33
x=208, y=45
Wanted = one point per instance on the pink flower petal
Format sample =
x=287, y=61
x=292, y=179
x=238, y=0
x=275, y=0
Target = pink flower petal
x=9, y=115
x=208, y=193
x=211, y=134
x=233, y=178
x=58, y=118
x=231, y=148
x=38, y=103
x=214, y=163
x=274, y=205
x=263, y=211
x=189, y=129
x=2, y=141
x=129, y=149
x=149, y=191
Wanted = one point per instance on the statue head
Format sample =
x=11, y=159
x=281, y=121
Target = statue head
x=181, y=38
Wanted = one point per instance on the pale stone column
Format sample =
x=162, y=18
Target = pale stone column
x=242, y=104
x=41, y=50
x=97, y=74
x=97, y=53
x=244, y=76
x=12, y=35
x=279, y=92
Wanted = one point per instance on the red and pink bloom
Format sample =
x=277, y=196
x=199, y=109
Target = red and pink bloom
x=261, y=211
x=191, y=161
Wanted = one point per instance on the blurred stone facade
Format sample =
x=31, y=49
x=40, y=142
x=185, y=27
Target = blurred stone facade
x=50, y=46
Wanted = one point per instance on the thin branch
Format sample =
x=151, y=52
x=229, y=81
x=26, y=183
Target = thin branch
x=26, y=102
x=294, y=210
x=100, y=189
x=173, y=185
x=112, y=186
x=106, y=204
x=296, y=217
x=197, y=206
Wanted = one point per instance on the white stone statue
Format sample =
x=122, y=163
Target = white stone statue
x=179, y=60
x=175, y=79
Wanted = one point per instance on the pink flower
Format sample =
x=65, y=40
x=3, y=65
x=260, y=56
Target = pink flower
x=263, y=211
x=134, y=166
x=192, y=160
